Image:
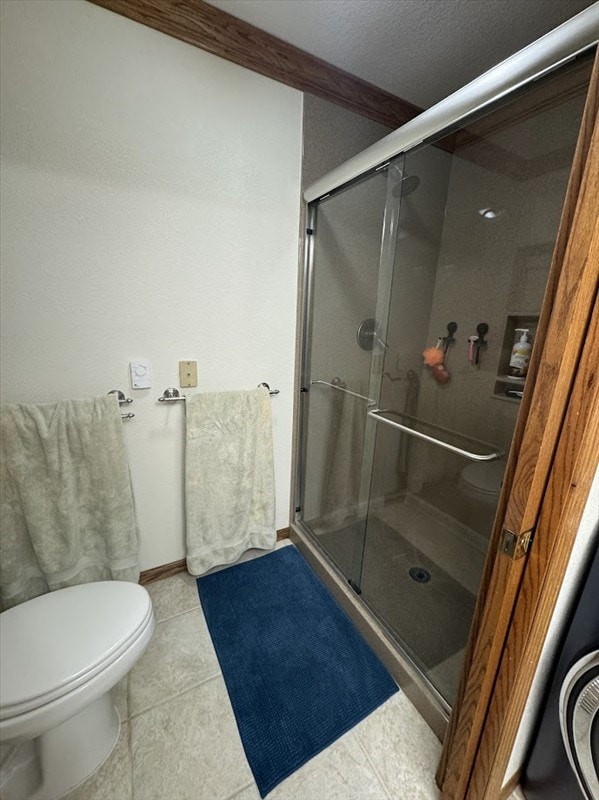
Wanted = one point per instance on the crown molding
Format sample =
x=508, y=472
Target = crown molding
x=204, y=26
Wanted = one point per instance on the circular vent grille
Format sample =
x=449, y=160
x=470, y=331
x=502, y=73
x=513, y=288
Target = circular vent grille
x=579, y=719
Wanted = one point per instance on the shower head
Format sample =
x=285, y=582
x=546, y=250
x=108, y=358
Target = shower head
x=404, y=184
x=405, y=187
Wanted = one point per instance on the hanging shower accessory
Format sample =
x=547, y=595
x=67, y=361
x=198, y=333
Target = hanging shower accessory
x=449, y=339
x=472, y=349
x=476, y=343
x=435, y=357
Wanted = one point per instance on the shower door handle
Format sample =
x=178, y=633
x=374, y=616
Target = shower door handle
x=376, y=415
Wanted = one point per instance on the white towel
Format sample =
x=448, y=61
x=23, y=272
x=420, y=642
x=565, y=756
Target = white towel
x=229, y=477
x=66, y=513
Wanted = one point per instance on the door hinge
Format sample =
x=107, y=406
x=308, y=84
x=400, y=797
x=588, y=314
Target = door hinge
x=515, y=545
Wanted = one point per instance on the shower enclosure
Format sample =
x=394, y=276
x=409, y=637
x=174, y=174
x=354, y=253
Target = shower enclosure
x=442, y=250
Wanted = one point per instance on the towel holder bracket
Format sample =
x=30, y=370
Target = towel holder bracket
x=171, y=395
x=270, y=391
x=123, y=400
x=121, y=396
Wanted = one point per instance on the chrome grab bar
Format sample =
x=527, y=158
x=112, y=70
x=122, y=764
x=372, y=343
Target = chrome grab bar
x=434, y=426
x=345, y=391
x=376, y=413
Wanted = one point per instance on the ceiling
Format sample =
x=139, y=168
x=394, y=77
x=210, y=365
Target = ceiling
x=419, y=50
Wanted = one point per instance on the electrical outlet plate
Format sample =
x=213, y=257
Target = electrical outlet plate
x=188, y=373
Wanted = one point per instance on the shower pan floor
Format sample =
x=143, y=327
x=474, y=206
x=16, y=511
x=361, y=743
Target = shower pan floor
x=428, y=610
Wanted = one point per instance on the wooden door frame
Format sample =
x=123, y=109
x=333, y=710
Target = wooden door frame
x=548, y=477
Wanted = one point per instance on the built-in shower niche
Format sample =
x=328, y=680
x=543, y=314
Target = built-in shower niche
x=508, y=387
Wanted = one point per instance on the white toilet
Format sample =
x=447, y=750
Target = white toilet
x=481, y=481
x=60, y=655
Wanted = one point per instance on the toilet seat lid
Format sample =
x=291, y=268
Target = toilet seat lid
x=52, y=642
x=485, y=476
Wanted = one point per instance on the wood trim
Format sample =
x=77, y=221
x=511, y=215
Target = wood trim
x=175, y=567
x=209, y=28
x=510, y=787
x=222, y=34
x=563, y=505
x=563, y=327
x=163, y=571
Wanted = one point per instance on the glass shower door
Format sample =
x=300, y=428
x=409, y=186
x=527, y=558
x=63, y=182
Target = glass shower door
x=472, y=253
x=348, y=298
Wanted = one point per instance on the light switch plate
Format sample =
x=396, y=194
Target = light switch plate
x=141, y=373
x=188, y=373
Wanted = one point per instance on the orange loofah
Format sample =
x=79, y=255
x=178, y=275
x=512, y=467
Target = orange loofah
x=433, y=356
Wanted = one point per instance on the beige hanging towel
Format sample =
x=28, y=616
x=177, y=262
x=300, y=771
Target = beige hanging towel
x=229, y=477
x=66, y=513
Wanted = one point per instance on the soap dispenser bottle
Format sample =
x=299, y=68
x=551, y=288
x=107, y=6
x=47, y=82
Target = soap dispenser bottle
x=520, y=357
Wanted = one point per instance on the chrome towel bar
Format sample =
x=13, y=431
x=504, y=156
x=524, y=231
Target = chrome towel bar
x=172, y=395
x=376, y=415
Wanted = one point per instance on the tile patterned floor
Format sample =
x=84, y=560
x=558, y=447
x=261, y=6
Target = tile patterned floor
x=179, y=740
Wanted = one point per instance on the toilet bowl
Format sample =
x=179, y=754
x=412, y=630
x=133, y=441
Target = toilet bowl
x=60, y=655
x=481, y=481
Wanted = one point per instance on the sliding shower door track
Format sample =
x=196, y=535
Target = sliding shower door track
x=431, y=705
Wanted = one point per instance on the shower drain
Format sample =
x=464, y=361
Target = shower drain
x=419, y=574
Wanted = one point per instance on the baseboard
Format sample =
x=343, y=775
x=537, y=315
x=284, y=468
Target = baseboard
x=175, y=567
x=163, y=571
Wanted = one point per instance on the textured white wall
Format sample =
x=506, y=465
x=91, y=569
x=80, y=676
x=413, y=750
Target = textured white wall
x=150, y=210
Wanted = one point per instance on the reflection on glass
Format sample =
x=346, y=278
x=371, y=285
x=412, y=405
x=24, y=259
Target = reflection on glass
x=344, y=336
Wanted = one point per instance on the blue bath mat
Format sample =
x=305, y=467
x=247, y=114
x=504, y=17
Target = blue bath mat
x=299, y=674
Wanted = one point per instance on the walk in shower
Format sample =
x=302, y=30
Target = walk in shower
x=443, y=250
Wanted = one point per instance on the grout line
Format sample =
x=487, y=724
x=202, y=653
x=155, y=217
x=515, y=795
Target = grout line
x=180, y=614
x=174, y=696
x=241, y=789
x=372, y=766
x=130, y=748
